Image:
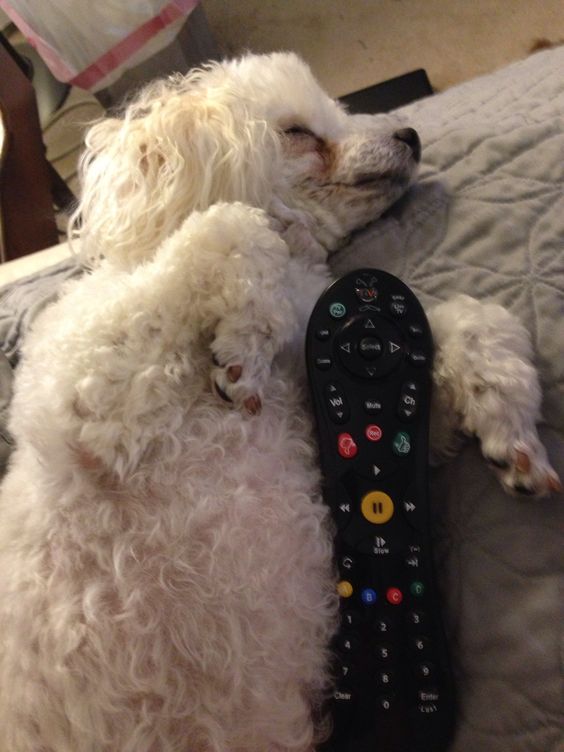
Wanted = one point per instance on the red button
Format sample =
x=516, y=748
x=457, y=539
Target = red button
x=394, y=596
x=346, y=446
x=373, y=432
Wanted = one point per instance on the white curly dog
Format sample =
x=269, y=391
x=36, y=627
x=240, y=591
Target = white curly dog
x=167, y=580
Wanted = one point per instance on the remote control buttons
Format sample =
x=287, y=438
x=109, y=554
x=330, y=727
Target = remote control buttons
x=418, y=358
x=368, y=596
x=398, y=305
x=401, y=444
x=419, y=645
x=416, y=618
x=408, y=401
x=377, y=507
x=428, y=701
x=337, y=310
x=345, y=589
x=343, y=696
x=347, y=562
x=323, y=362
x=376, y=545
x=345, y=670
x=348, y=644
x=346, y=446
x=384, y=703
x=336, y=403
x=363, y=353
x=385, y=679
x=367, y=294
x=372, y=406
x=384, y=652
x=382, y=626
x=323, y=334
x=413, y=510
x=412, y=562
x=373, y=432
x=417, y=589
x=431, y=694
x=351, y=618
x=394, y=596
x=370, y=348
x=343, y=511
x=425, y=670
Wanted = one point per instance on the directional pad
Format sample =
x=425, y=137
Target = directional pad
x=366, y=355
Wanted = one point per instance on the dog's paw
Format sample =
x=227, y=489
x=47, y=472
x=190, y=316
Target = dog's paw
x=522, y=467
x=236, y=384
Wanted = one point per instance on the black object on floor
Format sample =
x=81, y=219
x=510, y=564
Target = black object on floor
x=389, y=95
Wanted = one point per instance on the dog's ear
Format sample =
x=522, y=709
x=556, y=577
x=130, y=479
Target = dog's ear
x=175, y=151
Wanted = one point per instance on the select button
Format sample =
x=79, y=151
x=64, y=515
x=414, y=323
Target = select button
x=370, y=348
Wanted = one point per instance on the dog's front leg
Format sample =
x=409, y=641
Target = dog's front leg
x=486, y=385
x=113, y=369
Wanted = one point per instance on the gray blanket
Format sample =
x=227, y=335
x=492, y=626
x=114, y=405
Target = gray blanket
x=20, y=302
x=487, y=219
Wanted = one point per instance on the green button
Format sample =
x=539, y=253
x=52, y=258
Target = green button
x=402, y=443
x=337, y=310
x=417, y=588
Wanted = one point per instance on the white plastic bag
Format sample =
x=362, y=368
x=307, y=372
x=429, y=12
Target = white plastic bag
x=89, y=43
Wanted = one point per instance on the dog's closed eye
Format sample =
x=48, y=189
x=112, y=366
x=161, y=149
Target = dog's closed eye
x=299, y=130
x=300, y=140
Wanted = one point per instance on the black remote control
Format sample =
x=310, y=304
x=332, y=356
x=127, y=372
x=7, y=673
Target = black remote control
x=369, y=356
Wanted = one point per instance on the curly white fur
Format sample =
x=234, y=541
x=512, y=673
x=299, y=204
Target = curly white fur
x=167, y=580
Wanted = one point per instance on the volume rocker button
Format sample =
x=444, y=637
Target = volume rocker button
x=336, y=403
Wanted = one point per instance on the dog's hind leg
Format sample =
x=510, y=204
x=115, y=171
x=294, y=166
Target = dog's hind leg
x=486, y=386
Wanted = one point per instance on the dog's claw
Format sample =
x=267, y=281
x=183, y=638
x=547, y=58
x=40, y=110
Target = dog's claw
x=222, y=380
x=234, y=373
x=225, y=397
x=526, y=471
x=554, y=484
x=253, y=404
x=522, y=461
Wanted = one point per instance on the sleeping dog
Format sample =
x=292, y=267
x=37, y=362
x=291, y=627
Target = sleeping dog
x=167, y=579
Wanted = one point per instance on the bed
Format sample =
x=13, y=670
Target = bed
x=486, y=218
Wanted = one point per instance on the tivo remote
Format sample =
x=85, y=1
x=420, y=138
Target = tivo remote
x=369, y=355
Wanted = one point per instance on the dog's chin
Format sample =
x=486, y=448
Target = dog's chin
x=372, y=199
x=383, y=191
x=382, y=181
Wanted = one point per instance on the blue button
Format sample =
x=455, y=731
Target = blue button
x=368, y=596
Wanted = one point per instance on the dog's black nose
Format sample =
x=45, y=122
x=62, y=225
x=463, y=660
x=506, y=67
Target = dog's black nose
x=410, y=137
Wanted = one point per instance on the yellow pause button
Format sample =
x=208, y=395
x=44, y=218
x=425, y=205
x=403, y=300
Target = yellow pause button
x=377, y=507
